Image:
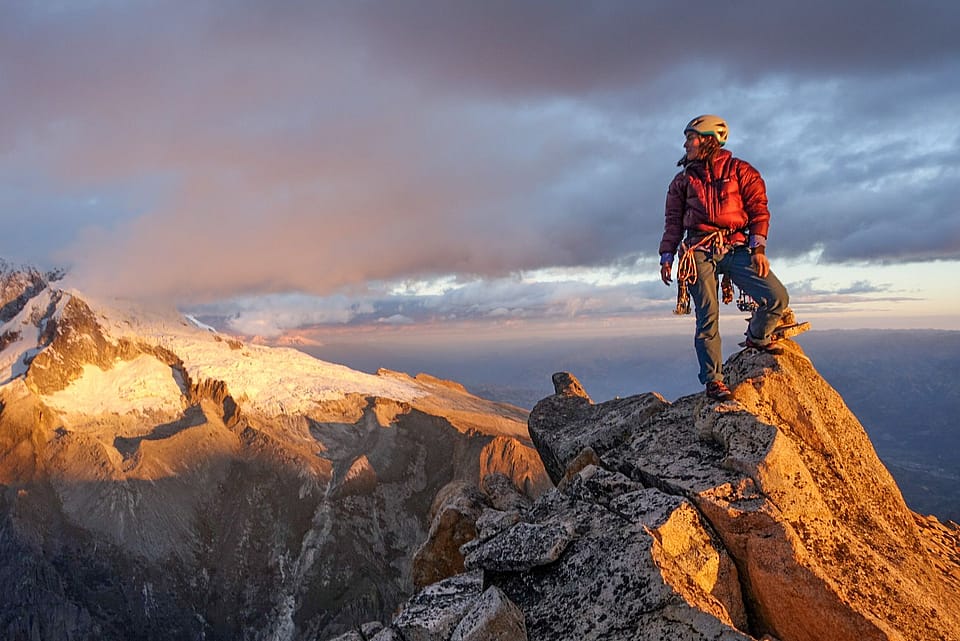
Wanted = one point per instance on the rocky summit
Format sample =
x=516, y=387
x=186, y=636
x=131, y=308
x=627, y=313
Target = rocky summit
x=161, y=481
x=767, y=517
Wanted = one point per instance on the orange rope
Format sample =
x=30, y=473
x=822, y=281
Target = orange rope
x=687, y=267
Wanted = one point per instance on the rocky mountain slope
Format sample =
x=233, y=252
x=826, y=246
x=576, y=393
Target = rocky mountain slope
x=161, y=481
x=767, y=517
x=909, y=405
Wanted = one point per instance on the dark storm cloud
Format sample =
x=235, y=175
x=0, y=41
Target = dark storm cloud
x=295, y=146
x=568, y=47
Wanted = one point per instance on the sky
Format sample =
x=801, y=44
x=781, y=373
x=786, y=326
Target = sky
x=306, y=170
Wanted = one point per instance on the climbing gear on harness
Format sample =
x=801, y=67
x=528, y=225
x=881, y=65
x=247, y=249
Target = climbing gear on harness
x=726, y=287
x=687, y=266
x=745, y=303
x=687, y=272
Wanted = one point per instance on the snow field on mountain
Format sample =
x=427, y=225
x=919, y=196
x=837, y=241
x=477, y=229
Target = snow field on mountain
x=281, y=380
x=140, y=385
x=272, y=380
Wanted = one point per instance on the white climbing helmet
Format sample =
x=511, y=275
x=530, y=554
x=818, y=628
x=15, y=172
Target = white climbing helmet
x=709, y=125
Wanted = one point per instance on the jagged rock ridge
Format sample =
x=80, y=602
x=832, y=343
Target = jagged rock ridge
x=769, y=517
x=160, y=481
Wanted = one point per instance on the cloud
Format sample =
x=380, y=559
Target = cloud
x=272, y=315
x=569, y=47
x=811, y=294
x=633, y=299
x=201, y=153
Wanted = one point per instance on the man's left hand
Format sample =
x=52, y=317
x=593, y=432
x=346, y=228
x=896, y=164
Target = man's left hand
x=761, y=264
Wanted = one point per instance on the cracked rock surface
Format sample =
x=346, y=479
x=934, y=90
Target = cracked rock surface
x=766, y=517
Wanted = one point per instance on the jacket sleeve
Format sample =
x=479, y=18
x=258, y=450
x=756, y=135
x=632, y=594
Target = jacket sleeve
x=753, y=193
x=673, y=216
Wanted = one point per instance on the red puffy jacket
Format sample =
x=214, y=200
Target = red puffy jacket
x=726, y=193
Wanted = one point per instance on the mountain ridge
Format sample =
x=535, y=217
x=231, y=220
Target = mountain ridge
x=159, y=480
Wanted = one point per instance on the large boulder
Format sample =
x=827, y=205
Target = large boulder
x=607, y=557
x=788, y=481
x=460, y=514
x=453, y=522
x=564, y=424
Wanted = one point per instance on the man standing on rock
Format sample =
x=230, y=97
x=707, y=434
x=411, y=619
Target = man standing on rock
x=720, y=203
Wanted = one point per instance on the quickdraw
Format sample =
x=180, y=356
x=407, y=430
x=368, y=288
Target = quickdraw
x=744, y=302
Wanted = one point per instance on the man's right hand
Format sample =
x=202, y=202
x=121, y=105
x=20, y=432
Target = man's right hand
x=666, y=270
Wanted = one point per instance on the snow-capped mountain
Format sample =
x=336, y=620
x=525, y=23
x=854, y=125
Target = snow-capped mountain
x=160, y=480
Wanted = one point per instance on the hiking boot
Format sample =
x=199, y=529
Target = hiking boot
x=769, y=348
x=718, y=391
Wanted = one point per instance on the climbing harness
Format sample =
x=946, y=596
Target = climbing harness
x=687, y=273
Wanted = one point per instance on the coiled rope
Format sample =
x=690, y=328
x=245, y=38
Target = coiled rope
x=687, y=269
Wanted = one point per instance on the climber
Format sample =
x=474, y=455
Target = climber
x=720, y=203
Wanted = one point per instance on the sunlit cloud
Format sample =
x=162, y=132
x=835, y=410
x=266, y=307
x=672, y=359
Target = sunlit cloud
x=592, y=297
